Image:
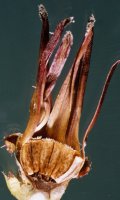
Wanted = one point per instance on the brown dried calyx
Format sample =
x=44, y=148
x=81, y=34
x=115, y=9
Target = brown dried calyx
x=48, y=153
x=47, y=162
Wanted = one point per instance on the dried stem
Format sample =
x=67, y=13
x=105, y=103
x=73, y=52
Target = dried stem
x=100, y=103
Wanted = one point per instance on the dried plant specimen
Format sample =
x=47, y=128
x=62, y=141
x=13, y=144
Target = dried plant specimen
x=48, y=153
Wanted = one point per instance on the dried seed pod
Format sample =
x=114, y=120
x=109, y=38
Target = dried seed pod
x=48, y=153
x=49, y=160
x=46, y=165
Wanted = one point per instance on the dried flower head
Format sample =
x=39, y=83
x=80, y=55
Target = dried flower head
x=48, y=153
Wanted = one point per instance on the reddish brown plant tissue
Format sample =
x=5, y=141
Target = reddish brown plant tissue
x=48, y=153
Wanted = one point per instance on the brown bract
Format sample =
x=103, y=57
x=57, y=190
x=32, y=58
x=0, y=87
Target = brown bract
x=48, y=153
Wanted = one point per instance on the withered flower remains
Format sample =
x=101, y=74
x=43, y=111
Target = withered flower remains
x=48, y=153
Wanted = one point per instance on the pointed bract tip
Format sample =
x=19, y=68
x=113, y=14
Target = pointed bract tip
x=72, y=20
x=69, y=36
x=90, y=23
x=92, y=18
x=3, y=146
x=42, y=11
x=51, y=33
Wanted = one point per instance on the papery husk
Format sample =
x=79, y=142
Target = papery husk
x=47, y=157
x=46, y=167
x=23, y=191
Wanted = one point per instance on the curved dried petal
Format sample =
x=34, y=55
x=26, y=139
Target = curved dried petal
x=37, y=102
x=58, y=62
x=101, y=100
x=49, y=50
x=45, y=28
x=64, y=118
x=81, y=70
